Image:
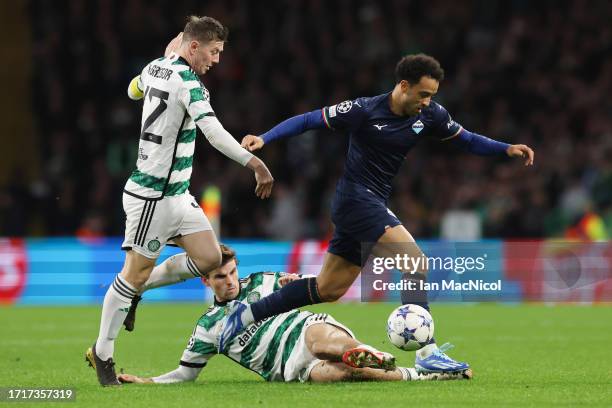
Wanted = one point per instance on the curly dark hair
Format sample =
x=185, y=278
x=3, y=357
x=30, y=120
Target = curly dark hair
x=413, y=67
x=205, y=29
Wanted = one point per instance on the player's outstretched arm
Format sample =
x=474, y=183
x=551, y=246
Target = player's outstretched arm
x=181, y=374
x=290, y=127
x=484, y=146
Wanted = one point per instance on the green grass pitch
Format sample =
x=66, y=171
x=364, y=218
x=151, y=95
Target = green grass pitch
x=522, y=355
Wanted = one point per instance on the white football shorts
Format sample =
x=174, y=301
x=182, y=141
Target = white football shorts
x=151, y=224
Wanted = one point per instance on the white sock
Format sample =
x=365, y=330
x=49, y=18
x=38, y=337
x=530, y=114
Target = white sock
x=175, y=269
x=427, y=350
x=117, y=302
x=409, y=373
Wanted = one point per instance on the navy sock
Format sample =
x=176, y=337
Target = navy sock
x=300, y=292
x=416, y=297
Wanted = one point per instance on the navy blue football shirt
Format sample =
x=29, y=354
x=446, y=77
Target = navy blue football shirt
x=380, y=139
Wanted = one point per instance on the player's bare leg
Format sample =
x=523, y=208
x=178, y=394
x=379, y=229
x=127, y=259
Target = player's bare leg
x=203, y=249
x=201, y=255
x=336, y=277
x=117, y=301
x=137, y=268
x=328, y=342
x=329, y=371
x=398, y=241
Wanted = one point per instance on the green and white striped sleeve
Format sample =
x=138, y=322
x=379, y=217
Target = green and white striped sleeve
x=197, y=102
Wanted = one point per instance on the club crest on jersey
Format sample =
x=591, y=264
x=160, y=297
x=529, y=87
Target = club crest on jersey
x=417, y=127
x=253, y=297
x=345, y=106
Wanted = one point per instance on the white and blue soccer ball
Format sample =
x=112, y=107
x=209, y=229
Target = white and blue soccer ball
x=410, y=327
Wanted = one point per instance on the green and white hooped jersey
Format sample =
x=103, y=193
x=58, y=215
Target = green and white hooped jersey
x=264, y=347
x=175, y=100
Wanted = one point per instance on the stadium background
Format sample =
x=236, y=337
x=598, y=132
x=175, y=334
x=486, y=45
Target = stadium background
x=533, y=72
x=538, y=73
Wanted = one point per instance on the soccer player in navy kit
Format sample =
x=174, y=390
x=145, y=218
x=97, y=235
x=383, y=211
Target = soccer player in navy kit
x=382, y=131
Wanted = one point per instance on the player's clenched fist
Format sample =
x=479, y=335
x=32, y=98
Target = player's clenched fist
x=252, y=143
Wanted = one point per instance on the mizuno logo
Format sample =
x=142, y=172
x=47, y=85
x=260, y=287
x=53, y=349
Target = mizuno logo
x=379, y=127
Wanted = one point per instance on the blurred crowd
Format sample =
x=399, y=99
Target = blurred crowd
x=536, y=73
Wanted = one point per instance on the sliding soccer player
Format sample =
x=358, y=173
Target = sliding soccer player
x=292, y=346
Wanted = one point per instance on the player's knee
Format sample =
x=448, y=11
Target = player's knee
x=207, y=260
x=136, y=276
x=318, y=349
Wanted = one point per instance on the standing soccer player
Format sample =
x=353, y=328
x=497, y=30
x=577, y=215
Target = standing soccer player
x=156, y=200
x=382, y=131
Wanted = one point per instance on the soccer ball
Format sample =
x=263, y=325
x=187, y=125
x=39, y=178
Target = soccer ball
x=410, y=327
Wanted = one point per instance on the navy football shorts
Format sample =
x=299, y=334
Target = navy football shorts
x=360, y=217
